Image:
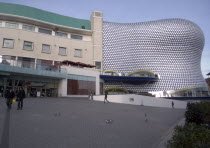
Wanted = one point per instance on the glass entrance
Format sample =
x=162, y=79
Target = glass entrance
x=32, y=88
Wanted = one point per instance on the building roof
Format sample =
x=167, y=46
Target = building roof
x=38, y=14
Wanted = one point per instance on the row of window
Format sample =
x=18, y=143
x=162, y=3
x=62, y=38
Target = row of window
x=9, y=43
x=41, y=30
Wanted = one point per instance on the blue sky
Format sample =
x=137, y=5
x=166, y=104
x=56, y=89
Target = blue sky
x=123, y=11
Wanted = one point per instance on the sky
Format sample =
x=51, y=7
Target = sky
x=129, y=11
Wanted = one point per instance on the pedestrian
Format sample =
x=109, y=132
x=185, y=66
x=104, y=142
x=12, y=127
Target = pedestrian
x=9, y=95
x=146, y=119
x=20, y=96
x=91, y=95
x=172, y=103
x=105, y=98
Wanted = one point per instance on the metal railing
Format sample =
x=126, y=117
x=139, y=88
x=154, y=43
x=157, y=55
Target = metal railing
x=35, y=66
x=32, y=65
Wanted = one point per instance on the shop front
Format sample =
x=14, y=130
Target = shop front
x=33, y=86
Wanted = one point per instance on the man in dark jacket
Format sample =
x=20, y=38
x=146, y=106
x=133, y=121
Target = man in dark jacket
x=9, y=95
x=20, y=97
x=105, y=97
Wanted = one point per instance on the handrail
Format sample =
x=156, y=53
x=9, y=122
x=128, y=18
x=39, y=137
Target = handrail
x=35, y=66
x=31, y=65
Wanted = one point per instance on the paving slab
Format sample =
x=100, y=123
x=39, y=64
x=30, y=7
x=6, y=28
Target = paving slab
x=80, y=123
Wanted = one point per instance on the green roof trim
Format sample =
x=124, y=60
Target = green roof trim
x=113, y=71
x=116, y=89
x=204, y=86
x=38, y=14
x=144, y=70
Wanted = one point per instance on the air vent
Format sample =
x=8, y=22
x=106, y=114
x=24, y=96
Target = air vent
x=83, y=27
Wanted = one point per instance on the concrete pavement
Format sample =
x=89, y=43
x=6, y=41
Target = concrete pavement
x=79, y=123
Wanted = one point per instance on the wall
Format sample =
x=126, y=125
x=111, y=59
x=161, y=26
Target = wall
x=55, y=42
x=79, y=87
x=97, y=28
x=88, y=75
x=143, y=100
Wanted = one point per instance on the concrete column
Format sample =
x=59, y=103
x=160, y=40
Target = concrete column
x=20, y=26
x=13, y=85
x=69, y=36
x=62, y=88
x=97, y=37
x=3, y=24
x=36, y=29
x=53, y=33
x=97, y=85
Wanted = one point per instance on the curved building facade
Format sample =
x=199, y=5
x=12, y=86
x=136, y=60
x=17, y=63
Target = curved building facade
x=171, y=48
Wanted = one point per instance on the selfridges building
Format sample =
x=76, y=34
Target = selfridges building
x=169, y=50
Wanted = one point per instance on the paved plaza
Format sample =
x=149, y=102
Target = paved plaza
x=80, y=123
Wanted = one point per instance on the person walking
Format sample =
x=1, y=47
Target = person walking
x=9, y=95
x=105, y=98
x=20, y=96
x=172, y=104
x=91, y=95
x=146, y=119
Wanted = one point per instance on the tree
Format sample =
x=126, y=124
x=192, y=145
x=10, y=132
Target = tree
x=198, y=113
x=190, y=136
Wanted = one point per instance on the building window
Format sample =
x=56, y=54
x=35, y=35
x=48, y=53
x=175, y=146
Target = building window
x=78, y=53
x=26, y=62
x=45, y=48
x=45, y=31
x=62, y=51
x=77, y=37
x=27, y=45
x=98, y=64
x=61, y=34
x=0, y=24
x=8, y=43
x=11, y=25
x=29, y=28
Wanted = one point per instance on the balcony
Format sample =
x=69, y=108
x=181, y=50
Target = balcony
x=31, y=68
x=135, y=77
